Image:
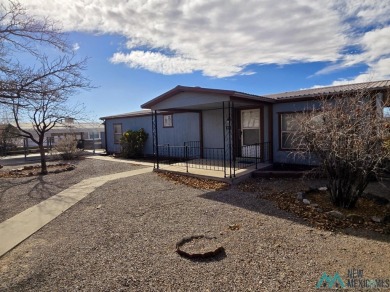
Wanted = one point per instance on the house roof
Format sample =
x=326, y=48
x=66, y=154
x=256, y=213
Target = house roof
x=307, y=93
x=67, y=126
x=129, y=115
x=178, y=89
x=270, y=98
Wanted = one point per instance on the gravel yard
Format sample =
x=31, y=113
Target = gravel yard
x=123, y=237
x=18, y=194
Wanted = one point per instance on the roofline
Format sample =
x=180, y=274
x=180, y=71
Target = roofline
x=345, y=88
x=179, y=89
x=127, y=115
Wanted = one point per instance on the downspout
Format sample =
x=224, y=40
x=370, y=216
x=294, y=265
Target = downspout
x=105, y=136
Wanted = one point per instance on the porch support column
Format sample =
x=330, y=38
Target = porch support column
x=224, y=139
x=227, y=138
x=155, y=140
x=229, y=128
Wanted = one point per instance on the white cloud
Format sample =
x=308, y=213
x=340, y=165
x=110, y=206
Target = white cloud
x=76, y=47
x=221, y=37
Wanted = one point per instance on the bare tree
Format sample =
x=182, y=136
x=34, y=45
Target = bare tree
x=38, y=92
x=347, y=135
x=43, y=112
x=24, y=34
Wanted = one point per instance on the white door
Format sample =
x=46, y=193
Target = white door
x=250, y=131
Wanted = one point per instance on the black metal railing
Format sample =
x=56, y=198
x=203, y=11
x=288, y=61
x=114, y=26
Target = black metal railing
x=192, y=155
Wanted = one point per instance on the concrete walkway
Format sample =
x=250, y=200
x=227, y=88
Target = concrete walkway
x=110, y=158
x=16, y=229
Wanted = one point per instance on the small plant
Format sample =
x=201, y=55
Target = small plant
x=133, y=143
x=67, y=147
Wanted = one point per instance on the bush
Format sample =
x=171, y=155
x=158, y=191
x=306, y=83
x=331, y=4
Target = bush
x=133, y=143
x=67, y=147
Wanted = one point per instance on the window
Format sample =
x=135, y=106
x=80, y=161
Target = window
x=386, y=112
x=94, y=135
x=288, y=126
x=117, y=133
x=168, y=121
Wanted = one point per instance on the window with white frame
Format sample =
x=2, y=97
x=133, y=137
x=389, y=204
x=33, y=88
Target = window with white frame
x=168, y=121
x=288, y=127
x=117, y=133
x=289, y=124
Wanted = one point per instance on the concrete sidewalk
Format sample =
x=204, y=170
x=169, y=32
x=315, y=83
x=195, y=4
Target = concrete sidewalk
x=110, y=158
x=18, y=228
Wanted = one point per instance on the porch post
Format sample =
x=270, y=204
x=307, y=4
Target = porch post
x=224, y=140
x=155, y=139
x=230, y=137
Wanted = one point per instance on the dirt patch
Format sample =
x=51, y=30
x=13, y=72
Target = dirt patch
x=197, y=183
x=33, y=170
x=285, y=192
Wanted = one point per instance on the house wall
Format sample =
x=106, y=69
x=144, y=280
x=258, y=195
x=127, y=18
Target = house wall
x=213, y=128
x=285, y=156
x=189, y=99
x=185, y=128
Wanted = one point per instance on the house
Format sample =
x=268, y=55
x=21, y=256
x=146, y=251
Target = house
x=91, y=134
x=224, y=129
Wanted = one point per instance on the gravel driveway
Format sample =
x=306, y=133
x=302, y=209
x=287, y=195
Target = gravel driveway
x=123, y=236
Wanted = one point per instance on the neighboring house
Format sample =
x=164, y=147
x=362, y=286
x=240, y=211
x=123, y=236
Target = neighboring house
x=213, y=124
x=91, y=134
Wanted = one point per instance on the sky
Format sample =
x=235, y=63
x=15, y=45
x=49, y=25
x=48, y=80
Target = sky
x=139, y=49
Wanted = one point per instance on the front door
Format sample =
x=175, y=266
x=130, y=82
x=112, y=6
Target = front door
x=250, y=131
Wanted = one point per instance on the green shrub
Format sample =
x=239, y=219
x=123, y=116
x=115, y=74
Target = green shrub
x=133, y=143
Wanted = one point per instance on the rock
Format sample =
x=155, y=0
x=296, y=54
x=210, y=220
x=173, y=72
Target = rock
x=323, y=189
x=314, y=205
x=28, y=167
x=300, y=196
x=69, y=168
x=376, y=219
x=306, y=201
x=234, y=227
x=354, y=218
x=319, y=210
x=98, y=207
x=335, y=214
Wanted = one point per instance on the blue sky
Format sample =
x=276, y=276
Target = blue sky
x=140, y=49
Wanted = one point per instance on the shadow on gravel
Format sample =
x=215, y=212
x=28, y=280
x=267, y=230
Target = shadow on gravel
x=37, y=190
x=222, y=255
x=252, y=202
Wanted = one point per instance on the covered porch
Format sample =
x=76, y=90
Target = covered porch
x=234, y=136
